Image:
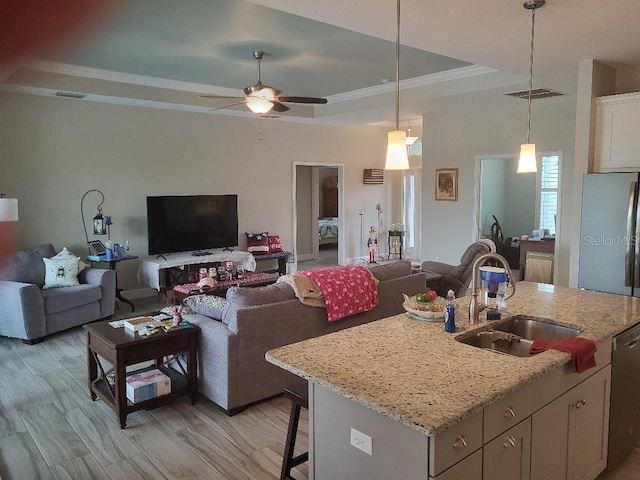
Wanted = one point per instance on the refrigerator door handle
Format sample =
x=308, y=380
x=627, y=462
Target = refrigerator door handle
x=633, y=241
x=632, y=212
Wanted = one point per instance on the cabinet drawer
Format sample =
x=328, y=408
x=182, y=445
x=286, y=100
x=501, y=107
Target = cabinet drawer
x=454, y=444
x=507, y=412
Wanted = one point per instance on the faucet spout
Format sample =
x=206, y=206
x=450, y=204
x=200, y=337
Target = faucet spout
x=475, y=306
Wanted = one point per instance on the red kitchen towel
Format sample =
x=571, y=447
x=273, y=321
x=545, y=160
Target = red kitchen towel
x=347, y=290
x=581, y=350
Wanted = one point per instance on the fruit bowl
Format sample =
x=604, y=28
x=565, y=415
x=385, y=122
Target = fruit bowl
x=428, y=311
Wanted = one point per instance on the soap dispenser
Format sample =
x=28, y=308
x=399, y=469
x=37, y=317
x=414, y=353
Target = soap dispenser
x=450, y=313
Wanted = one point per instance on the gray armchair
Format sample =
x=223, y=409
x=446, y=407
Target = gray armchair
x=30, y=312
x=458, y=277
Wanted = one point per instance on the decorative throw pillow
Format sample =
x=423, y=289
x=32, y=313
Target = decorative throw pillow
x=275, y=244
x=207, y=305
x=258, y=243
x=66, y=254
x=60, y=272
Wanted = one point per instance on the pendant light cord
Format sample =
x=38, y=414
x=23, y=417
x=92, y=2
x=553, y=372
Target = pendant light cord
x=533, y=25
x=398, y=69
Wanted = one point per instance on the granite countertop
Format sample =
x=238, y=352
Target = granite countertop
x=419, y=375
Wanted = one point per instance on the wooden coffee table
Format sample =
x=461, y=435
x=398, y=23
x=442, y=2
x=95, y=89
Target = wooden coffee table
x=120, y=347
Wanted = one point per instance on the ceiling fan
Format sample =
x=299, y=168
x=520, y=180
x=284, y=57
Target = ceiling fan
x=262, y=98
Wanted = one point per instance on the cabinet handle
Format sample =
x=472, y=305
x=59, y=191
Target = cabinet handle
x=461, y=442
x=509, y=412
x=580, y=403
x=509, y=442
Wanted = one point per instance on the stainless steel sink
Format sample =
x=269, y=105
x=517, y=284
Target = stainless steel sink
x=514, y=335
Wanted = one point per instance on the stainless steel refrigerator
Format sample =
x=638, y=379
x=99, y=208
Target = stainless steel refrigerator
x=609, y=249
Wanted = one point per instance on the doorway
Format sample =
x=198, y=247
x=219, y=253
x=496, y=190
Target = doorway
x=318, y=218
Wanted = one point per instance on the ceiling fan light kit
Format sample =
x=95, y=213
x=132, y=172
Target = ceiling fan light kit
x=259, y=105
x=262, y=98
x=527, y=162
x=397, y=157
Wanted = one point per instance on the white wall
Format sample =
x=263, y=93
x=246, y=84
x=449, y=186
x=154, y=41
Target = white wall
x=54, y=150
x=455, y=130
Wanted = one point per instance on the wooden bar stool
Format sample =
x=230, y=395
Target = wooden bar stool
x=299, y=396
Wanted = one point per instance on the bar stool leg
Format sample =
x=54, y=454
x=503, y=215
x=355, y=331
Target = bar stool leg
x=288, y=460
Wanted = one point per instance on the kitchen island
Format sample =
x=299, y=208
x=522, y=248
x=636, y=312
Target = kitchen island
x=425, y=393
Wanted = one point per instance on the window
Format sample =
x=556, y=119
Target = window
x=411, y=188
x=548, y=192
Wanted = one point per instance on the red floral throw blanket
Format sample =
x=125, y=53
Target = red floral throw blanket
x=347, y=290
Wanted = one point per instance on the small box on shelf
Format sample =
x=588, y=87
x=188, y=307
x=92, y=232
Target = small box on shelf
x=147, y=384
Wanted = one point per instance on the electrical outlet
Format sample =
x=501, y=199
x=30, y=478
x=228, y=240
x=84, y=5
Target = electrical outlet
x=361, y=441
x=378, y=206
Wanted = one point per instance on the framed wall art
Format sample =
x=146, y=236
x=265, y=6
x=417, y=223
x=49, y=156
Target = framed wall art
x=447, y=184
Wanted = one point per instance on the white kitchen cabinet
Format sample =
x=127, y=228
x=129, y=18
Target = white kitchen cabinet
x=569, y=435
x=617, y=143
x=507, y=457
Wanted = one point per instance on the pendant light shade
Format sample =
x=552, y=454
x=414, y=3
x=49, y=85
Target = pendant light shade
x=527, y=161
x=397, y=157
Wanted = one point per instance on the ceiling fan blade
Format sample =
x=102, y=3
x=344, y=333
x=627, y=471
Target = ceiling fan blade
x=302, y=100
x=227, y=106
x=279, y=107
x=214, y=96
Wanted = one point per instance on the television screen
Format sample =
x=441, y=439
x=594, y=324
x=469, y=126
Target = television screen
x=182, y=223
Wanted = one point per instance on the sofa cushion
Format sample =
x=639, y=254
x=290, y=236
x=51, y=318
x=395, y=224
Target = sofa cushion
x=61, y=299
x=208, y=305
x=388, y=271
x=240, y=297
x=60, y=272
x=27, y=266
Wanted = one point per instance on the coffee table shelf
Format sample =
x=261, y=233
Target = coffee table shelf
x=119, y=348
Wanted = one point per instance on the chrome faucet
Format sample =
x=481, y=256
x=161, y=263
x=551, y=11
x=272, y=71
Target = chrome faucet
x=475, y=307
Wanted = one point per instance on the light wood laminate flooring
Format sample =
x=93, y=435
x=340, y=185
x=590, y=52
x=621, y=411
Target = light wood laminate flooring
x=50, y=428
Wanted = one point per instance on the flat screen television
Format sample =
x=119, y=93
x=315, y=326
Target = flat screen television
x=181, y=223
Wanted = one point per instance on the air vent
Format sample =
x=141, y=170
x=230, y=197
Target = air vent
x=70, y=95
x=535, y=94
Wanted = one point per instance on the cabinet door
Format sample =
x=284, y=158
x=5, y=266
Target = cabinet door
x=589, y=427
x=569, y=436
x=468, y=469
x=617, y=142
x=508, y=456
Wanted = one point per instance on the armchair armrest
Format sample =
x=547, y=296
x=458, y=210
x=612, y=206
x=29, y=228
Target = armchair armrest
x=106, y=279
x=22, y=310
x=436, y=267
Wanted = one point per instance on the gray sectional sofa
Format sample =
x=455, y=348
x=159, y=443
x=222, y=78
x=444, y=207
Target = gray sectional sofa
x=31, y=312
x=232, y=369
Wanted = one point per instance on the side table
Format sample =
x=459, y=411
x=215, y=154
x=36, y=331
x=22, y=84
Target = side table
x=394, y=242
x=112, y=266
x=120, y=347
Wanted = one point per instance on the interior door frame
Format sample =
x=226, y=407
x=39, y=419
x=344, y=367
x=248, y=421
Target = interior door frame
x=316, y=195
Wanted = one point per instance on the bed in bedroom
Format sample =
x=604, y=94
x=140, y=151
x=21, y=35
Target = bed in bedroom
x=327, y=230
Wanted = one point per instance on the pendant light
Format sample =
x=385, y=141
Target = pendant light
x=397, y=158
x=527, y=161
